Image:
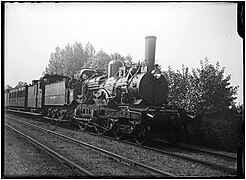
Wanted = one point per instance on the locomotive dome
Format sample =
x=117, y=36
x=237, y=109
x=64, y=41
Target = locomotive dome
x=113, y=67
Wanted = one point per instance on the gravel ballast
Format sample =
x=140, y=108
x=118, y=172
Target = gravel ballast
x=97, y=164
x=24, y=160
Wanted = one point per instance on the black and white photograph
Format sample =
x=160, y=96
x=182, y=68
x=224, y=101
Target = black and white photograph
x=123, y=89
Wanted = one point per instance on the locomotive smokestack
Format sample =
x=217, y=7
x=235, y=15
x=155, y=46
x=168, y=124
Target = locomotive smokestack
x=150, y=42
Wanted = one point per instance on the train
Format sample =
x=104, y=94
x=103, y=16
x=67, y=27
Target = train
x=125, y=101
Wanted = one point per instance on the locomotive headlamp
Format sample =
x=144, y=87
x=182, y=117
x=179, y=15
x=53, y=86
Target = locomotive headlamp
x=156, y=73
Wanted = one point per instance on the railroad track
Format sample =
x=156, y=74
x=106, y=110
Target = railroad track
x=230, y=170
x=200, y=149
x=52, y=152
x=23, y=112
x=224, y=168
x=150, y=171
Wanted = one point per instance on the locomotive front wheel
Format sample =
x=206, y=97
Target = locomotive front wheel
x=140, y=134
x=82, y=126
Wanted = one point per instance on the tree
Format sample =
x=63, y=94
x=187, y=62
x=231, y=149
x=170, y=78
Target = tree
x=215, y=92
x=55, y=62
x=69, y=60
x=205, y=89
x=89, y=54
x=79, y=56
x=8, y=87
x=72, y=58
x=20, y=84
x=100, y=61
x=180, y=89
x=128, y=60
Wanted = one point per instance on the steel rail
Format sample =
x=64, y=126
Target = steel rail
x=200, y=149
x=182, y=145
x=191, y=159
x=208, y=164
x=208, y=151
x=216, y=166
x=114, y=156
x=23, y=112
x=52, y=152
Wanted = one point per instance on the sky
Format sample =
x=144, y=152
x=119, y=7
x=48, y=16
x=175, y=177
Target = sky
x=186, y=33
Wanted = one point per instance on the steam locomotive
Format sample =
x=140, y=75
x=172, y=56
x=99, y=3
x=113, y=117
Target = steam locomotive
x=128, y=101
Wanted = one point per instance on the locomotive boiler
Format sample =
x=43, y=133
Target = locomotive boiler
x=129, y=101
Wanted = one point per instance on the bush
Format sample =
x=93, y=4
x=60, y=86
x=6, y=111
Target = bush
x=220, y=130
x=206, y=89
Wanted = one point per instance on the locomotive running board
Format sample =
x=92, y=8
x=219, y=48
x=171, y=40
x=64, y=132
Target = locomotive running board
x=82, y=119
x=55, y=119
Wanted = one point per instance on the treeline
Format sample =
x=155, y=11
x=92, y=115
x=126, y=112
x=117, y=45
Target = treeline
x=67, y=61
x=204, y=89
